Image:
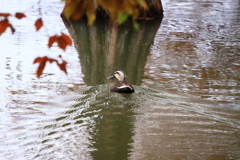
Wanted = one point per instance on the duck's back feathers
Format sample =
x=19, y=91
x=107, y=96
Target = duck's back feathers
x=122, y=87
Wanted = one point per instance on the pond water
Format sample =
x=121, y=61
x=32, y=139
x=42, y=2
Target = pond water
x=185, y=70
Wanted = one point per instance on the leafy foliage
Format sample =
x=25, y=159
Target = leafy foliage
x=63, y=41
x=4, y=23
x=75, y=9
x=118, y=10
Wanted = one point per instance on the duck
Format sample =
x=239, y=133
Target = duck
x=121, y=86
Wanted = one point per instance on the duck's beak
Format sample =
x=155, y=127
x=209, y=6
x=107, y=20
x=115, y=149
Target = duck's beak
x=111, y=77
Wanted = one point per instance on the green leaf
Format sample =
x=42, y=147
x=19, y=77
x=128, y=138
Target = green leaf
x=91, y=17
x=121, y=17
x=69, y=9
x=135, y=24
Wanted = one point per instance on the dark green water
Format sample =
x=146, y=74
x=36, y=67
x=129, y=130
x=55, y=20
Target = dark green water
x=145, y=125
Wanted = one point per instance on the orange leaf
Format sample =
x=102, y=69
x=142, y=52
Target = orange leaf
x=69, y=8
x=67, y=39
x=51, y=40
x=62, y=43
x=91, y=12
x=3, y=25
x=20, y=15
x=4, y=15
x=79, y=10
x=38, y=24
x=107, y=4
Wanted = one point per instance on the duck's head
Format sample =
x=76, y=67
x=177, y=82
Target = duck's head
x=119, y=74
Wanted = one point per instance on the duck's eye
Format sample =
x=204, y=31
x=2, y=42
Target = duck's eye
x=116, y=72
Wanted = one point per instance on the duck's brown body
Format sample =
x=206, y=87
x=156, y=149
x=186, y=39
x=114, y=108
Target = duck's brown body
x=121, y=86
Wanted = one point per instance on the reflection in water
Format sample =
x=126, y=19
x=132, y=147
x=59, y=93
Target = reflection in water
x=144, y=125
x=99, y=122
x=198, y=54
x=113, y=130
x=106, y=47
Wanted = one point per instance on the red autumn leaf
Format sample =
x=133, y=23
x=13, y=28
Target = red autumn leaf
x=38, y=24
x=62, y=66
x=12, y=29
x=41, y=68
x=37, y=60
x=62, y=43
x=3, y=25
x=4, y=15
x=51, y=40
x=50, y=60
x=42, y=63
x=67, y=39
x=20, y=15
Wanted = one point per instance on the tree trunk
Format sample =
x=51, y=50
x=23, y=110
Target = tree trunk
x=105, y=47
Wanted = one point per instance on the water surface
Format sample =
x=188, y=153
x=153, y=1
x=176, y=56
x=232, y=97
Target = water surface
x=186, y=78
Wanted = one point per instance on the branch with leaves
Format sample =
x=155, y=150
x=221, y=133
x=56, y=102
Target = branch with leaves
x=63, y=41
x=115, y=10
